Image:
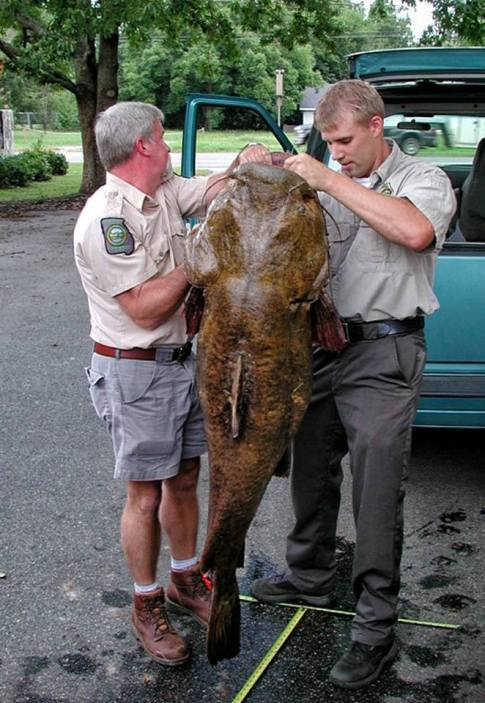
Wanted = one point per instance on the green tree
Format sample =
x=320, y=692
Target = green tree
x=55, y=108
x=165, y=76
x=75, y=44
x=382, y=28
x=455, y=22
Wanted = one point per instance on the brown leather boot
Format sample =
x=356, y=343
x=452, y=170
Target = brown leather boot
x=155, y=631
x=187, y=591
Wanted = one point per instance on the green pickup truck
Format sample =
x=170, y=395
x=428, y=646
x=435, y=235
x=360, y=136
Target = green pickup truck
x=444, y=90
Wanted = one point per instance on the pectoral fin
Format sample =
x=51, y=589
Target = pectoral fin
x=327, y=328
x=194, y=308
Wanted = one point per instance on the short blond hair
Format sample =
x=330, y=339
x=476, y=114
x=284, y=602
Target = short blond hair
x=352, y=95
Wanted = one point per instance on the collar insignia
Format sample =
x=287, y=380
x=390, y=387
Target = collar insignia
x=386, y=189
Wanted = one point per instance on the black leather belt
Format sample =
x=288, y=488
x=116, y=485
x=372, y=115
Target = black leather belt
x=152, y=354
x=359, y=331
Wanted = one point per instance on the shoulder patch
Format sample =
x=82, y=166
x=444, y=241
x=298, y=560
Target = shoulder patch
x=117, y=237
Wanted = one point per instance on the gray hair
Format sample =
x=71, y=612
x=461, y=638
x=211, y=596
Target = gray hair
x=118, y=128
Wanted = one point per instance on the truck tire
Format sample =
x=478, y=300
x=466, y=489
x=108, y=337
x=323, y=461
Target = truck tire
x=409, y=145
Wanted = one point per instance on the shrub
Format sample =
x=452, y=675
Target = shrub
x=13, y=172
x=57, y=162
x=36, y=165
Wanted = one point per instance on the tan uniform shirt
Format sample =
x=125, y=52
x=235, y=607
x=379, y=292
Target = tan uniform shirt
x=147, y=237
x=373, y=278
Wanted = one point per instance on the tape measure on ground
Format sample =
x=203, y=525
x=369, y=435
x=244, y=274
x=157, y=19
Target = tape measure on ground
x=270, y=654
x=279, y=642
x=408, y=621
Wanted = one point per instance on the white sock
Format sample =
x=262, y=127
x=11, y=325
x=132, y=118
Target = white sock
x=182, y=564
x=146, y=589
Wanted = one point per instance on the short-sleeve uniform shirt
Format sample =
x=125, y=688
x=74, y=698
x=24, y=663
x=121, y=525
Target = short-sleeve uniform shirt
x=122, y=238
x=373, y=278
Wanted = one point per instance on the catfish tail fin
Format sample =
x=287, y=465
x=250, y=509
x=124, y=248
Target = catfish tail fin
x=223, y=634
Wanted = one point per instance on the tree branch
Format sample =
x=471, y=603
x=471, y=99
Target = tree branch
x=44, y=75
x=27, y=22
x=9, y=51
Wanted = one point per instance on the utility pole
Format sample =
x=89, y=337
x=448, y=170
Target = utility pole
x=279, y=92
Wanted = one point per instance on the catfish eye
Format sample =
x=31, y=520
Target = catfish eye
x=302, y=209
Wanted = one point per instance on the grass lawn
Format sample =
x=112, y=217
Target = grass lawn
x=217, y=141
x=26, y=138
x=57, y=187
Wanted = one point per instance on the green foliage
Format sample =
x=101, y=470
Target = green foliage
x=57, y=163
x=35, y=164
x=455, y=22
x=52, y=107
x=12, y=172
x=382, y=28
x=165, y=76
x=37, y=191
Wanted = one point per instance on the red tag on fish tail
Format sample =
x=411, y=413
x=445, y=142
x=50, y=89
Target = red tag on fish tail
x=207, y=581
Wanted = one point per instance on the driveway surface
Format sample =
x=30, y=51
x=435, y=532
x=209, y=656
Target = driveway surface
x=65, y=594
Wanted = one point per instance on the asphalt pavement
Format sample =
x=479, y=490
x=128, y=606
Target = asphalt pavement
x=65, y=592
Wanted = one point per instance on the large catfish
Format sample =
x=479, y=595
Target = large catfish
x=261, y=259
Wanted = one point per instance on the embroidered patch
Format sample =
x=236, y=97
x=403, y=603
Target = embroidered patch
x=117, y=237
x=386, y=189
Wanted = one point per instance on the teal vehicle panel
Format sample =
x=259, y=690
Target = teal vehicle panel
x=196, y=100
x=467, y=63
x=456, y=332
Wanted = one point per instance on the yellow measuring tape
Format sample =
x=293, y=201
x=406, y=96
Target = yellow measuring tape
x=408, y=621
x=279, y=642
x=270, y=654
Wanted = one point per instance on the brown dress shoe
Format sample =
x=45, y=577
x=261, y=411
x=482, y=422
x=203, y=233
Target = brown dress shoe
x=155, y=631
x=187, y=591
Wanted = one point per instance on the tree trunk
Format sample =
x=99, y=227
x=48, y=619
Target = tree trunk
x=103, y=95
x=97, y=89
x=86, y=87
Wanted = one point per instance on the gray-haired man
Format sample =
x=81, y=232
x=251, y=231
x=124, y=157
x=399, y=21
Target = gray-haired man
x=129, y=243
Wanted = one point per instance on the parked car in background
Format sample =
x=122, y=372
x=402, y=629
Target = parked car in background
x=445, y=89
x=410, y=135
x=301, y=133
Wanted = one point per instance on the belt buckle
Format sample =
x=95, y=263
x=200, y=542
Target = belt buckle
x=182, y=352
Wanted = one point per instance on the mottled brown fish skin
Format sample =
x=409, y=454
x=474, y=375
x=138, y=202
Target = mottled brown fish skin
x=260, y=255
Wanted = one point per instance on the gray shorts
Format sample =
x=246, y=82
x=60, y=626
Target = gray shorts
x=152, y=412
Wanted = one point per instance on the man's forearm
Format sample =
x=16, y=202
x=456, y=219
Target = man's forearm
x=152, y=303
x=394, y=218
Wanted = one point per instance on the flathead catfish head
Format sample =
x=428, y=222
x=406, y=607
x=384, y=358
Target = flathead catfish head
x=267, y=228
x=261, y=258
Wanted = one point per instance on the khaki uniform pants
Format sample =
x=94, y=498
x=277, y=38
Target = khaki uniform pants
x=364, y=401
